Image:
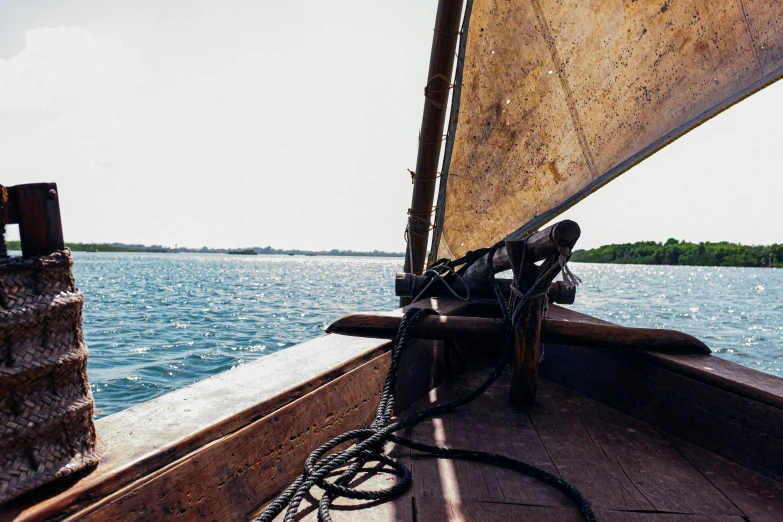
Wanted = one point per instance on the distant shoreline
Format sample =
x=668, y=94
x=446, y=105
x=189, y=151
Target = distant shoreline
x=158, y=249
x=674, y=252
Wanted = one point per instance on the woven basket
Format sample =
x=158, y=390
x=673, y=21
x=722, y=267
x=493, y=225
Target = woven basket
x=46, y=408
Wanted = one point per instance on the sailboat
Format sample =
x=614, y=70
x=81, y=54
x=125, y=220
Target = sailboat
x=529, y=107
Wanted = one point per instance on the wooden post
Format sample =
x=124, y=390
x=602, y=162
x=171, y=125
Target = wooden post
x=522, y=254
x=436, y=96
x=526, y=351
x=36, y=207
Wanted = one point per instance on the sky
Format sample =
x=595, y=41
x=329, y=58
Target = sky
x=293, y=124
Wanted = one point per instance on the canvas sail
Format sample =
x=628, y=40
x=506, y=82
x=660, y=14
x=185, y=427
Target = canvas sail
x=558, y=97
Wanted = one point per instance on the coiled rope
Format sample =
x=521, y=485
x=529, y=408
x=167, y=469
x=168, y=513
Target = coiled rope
x=368, y=442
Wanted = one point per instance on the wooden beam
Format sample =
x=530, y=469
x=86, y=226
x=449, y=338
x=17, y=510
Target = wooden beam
x=447, y=328
x=436, y=96
x=411, y=285
x=540, y=245
x=652, y=339
x=36, y=207
x=488, y=330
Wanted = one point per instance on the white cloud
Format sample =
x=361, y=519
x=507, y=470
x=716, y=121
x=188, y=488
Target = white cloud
x=68, y=64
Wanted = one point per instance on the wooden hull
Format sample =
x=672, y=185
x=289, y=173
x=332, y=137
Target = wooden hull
x=221, y=448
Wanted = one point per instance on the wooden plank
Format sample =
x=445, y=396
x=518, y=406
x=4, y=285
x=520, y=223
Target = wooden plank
x=732, y=425
x=759, y=498
x=631, y=450
x=454, y=510
x=476, y=426
x=605, y=515
x=36, y=207
x=444, y=478
x=457, y=479
x=615, y=460
x=566, y=314
x=578, y=458
x=656, y=468
x=231, y=478
x=469, y=511
x=725, y=375
x=715, y=371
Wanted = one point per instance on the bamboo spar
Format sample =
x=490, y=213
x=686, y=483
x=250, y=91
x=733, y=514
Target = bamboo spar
x=436, y=92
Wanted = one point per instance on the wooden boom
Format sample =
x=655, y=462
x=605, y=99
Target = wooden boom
x=410, y=285
x=540, y=245
x=555, y=331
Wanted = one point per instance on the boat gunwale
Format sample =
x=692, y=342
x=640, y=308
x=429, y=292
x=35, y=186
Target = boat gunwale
x=129, y=456
x=721, y=373
x=155, y=456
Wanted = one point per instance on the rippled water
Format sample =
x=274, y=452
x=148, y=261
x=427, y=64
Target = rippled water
x=157, y=322
x=737, y=312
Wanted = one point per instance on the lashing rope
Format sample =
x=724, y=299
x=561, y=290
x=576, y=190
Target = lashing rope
x=442, y=269
x=369, y=441
x=438, y=274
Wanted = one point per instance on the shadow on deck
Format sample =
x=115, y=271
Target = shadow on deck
x=626, y=468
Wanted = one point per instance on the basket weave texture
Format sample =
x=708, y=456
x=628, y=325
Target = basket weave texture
x=46, y=407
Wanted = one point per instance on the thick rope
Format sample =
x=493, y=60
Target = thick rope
x=368, y=442
x=442, y=269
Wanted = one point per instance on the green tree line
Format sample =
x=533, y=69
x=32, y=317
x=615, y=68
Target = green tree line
x=100, y=247
x=122, y=247
x=674, y=252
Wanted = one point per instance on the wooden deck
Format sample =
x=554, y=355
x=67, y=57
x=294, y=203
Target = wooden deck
x=625, y=467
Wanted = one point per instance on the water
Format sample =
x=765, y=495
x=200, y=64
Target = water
x=157, y=322
x=737, y=312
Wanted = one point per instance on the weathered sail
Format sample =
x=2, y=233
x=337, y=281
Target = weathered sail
x=558, y=97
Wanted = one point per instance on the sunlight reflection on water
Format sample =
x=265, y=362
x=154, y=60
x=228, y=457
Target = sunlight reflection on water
x=737, y=312
x=157, y=322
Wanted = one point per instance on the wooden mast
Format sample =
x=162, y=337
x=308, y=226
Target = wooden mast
x=436, y=95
